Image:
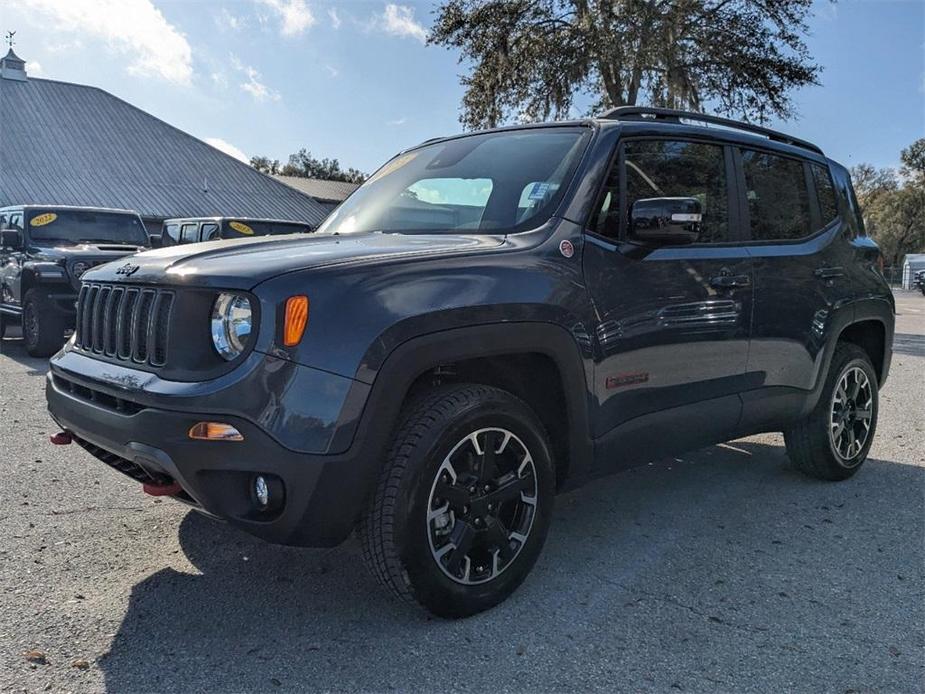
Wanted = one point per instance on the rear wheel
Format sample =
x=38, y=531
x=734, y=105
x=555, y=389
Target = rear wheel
x=833, y=441
x=464, y=503
x=43, y=325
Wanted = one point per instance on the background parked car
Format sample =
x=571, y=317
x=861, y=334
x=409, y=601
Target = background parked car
x=44, y=250
x=194, y=230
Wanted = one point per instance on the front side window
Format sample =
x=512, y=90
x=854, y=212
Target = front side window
x=496, y=183
x=172, y=232
x=16, y=221
x=86, y=226
x=778, y=201
x=673, y=169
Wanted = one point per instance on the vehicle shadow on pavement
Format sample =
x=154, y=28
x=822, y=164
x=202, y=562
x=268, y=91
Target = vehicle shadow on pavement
x=722, y=570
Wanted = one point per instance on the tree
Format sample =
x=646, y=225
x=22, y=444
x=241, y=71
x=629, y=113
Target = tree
x=265, y=165
x=304, y=165
x=893, y=204
x=532, y=58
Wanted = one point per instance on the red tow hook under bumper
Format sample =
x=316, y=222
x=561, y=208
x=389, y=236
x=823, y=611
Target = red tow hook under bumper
x=62, y=438
x=162, y=489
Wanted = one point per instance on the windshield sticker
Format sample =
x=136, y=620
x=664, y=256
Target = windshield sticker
x=241, y=228
x=539, y=191
x=43, y=219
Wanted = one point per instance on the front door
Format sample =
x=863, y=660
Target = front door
x=11, y=261
x=673, y=321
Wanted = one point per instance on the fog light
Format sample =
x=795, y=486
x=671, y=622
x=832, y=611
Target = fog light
x=214, y=431
x=262, y=491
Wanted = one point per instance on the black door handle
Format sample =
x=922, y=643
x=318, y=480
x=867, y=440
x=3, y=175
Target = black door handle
x=829, y=273
x=727, y=281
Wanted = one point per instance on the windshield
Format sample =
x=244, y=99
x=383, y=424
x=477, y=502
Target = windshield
x=497, y=183
x=86, y=226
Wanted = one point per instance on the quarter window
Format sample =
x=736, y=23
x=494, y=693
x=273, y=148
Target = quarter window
x=778, y=200
x=825, y=192
x=672, y=168
x=189, y=233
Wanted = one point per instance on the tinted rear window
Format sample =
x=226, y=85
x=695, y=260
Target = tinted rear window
x=825, y=191
x=778, y=200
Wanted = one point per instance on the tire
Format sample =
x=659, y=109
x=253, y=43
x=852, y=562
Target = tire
x=3, y=320
x=43, y=325
x=435, y=451
x=821, y=445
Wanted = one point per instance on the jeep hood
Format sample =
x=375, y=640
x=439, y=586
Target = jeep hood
x=245, y=263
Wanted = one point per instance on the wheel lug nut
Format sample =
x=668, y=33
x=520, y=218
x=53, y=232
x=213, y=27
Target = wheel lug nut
x=472, y=490
x=465, y=509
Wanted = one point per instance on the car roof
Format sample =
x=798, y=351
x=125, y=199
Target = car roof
x=188, y=220
x=652, y=127
x=81, y=208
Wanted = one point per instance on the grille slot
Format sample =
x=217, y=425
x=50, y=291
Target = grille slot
x=124, y=323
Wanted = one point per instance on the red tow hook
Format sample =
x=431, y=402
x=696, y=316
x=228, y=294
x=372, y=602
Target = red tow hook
x=162, y=489
x=62, y=438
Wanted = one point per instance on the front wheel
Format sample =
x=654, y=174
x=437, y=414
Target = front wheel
x=464, y=502
x=833, y=441
x=43, y=325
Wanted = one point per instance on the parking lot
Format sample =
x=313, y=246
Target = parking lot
x=722, y=571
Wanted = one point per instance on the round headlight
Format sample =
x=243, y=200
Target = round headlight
x=231, y=324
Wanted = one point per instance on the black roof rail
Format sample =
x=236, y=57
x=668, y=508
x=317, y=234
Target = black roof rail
x=637, y=113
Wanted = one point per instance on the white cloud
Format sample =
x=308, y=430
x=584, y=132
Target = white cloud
x=399, y=20
x=228, y=21
x=219, y=79
x=332, y=71
x=335, y=18
x=254, y=86
x=34, y=68
x=294, y=15
x=134, y=28
x=228, y=149
x=398, y=121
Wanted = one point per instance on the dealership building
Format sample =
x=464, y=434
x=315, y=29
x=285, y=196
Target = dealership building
x=72, y=144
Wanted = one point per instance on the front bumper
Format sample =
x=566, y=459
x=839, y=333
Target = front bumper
x=323, y=493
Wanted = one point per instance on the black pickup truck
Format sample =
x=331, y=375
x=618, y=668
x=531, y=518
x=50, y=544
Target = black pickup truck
x=489, y=319
x=44, y=251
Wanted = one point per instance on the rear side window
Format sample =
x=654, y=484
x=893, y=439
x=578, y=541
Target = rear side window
x=778, y=200
x=210, y=232
x=825, y=192
x=189, y=233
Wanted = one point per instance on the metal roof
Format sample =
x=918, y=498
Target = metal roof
x=320, y=189
x=71, y=144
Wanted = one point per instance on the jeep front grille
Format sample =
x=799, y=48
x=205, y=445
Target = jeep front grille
x=124, y=322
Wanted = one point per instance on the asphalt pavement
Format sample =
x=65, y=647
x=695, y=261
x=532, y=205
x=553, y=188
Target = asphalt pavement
x=722, y=570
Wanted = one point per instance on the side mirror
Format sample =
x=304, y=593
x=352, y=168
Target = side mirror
x=10, y=238
x=155, y=240
x=665, y=221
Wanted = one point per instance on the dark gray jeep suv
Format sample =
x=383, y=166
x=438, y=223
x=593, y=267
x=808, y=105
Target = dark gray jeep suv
x=489, y=319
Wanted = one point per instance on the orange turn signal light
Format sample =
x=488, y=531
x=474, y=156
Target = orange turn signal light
x=295, y=320
x=214, y=431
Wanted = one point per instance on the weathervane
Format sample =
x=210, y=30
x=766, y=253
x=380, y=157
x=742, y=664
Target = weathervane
x=9, y=38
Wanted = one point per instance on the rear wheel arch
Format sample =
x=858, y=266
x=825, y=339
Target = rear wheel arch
x=870, y=335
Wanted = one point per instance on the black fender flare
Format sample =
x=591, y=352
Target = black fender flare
x=863, y=310
x=375, y=417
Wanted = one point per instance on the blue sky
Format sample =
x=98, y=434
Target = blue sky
x=354, y=80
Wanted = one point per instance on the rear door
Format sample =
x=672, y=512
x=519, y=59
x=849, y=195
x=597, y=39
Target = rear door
x=673, y=322
x=798, y=243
